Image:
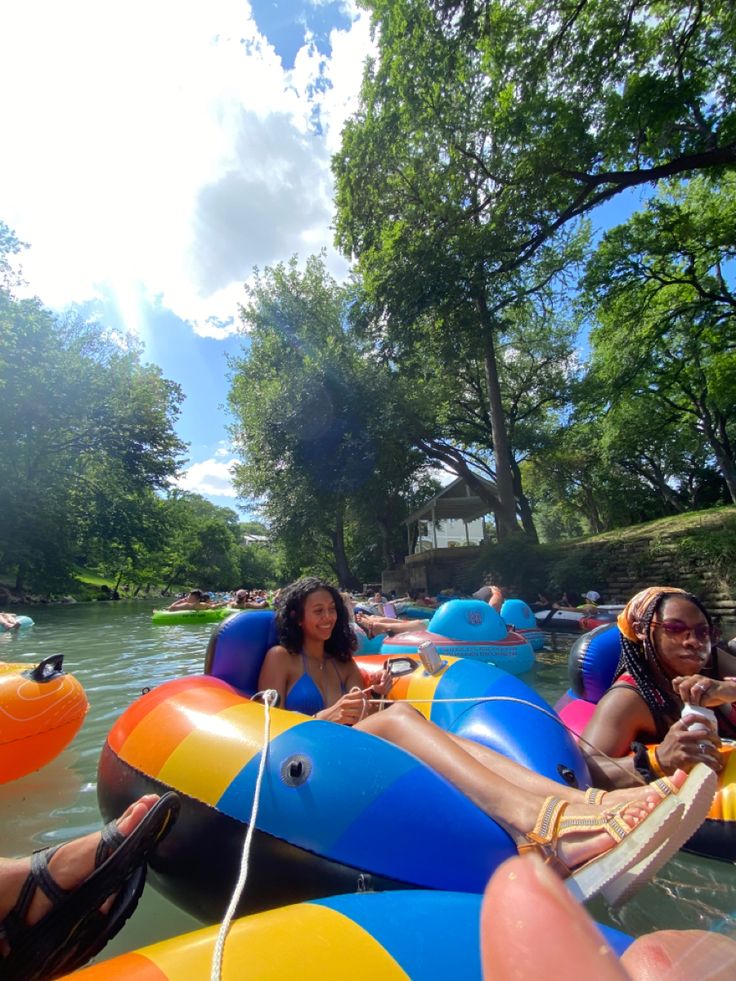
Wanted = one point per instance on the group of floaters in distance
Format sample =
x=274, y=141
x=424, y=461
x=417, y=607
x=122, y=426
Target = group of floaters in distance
x=610, y=839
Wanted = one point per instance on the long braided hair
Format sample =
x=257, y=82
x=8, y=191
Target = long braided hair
x=639, y=658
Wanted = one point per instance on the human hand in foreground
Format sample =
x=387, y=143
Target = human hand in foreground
x=699, y=690
x=347, y=710
x=531, y=927
x=682, y=747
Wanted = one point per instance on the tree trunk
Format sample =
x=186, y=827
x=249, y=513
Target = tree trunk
x=525, y=511
x=345, y=577
x=724, y=456
x=20, y=577
x=506, y=513
x=592, y=509
x=386, y=557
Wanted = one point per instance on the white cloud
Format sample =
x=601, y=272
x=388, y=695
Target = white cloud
x=209, y=477
x=161, y=149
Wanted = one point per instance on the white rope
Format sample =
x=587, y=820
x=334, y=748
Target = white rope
x=520, y=701
x=269, y=699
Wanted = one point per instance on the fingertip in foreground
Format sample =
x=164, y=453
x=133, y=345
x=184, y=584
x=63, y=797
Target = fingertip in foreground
x=531, y=926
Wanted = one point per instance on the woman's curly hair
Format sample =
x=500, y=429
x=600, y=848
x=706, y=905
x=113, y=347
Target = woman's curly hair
x=290, y=611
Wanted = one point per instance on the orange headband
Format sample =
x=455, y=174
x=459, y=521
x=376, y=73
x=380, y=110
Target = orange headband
x=637, y=605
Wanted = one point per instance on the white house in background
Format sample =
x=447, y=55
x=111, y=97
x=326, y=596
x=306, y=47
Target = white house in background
x=453, y=518
x=254, y=539
x=449, y=533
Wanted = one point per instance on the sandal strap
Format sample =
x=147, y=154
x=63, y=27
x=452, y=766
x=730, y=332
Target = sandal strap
x=38, y=878
x=594, y=796
x=110, y=840
x=664, y=787
x=548, y=855
x=44, y=880
x=545, y=830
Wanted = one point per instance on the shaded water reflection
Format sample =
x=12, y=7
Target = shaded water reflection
x=116, y=652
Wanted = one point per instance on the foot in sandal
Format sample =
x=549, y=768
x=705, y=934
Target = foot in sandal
x=60, y=906
x=695, y=799
x=653, y=792
x=594, y=851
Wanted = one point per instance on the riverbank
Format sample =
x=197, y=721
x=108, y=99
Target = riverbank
x=693, y=551
x=86, y=588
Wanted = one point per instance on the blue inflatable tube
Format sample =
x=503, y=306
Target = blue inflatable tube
x=23, y=622
x=470, y=629
x=518, y=616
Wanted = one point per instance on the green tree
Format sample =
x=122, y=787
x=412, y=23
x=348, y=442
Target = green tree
x=87, y=431
x=666, y=314
x=485, y=128
x=202, y=546
x=314, y=417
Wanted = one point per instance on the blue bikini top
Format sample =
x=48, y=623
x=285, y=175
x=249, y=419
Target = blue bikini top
x=304, y=696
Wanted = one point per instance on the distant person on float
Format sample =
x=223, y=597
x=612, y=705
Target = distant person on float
x=245, y=600
x=590, y=601
x=194, y=600
x=492, y=595
x=10, y=621
x=570, y=600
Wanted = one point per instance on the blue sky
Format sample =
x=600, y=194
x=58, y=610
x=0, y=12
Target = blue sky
x=156, y=151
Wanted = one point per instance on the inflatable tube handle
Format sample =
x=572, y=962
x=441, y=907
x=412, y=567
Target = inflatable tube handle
x=48, y=669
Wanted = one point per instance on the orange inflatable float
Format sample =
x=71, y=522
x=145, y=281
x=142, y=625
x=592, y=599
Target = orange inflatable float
x=41, y=710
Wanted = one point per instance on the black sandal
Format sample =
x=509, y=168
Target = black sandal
x=74, y=929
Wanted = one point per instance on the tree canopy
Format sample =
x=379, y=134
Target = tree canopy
x=487, y=129
x=319, y=421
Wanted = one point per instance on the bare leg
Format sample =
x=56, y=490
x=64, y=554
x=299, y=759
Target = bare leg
x=514, y=807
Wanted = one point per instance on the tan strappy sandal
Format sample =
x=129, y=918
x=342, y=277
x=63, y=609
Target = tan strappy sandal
x=631, y=844
x=694, y=799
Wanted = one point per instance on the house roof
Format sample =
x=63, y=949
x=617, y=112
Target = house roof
x=456, y=500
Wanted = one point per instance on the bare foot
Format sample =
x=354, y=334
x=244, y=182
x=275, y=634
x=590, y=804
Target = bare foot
x=70, y=866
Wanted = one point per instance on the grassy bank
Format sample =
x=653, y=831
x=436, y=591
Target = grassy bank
x=693, y=550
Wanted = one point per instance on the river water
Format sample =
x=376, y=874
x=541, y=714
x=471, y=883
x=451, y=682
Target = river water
x=116, y=652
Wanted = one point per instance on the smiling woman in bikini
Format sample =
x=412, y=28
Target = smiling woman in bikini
x=313, y=671
x=667, y=660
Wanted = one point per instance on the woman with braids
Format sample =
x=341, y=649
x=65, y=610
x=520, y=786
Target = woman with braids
x=313, y=671
x=667, y=660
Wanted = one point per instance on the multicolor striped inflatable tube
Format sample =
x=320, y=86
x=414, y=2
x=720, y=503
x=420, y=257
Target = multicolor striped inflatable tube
x=338, y=808
x=591, y=671
x=470, y=629
x=422, y=936
x=41, y=710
